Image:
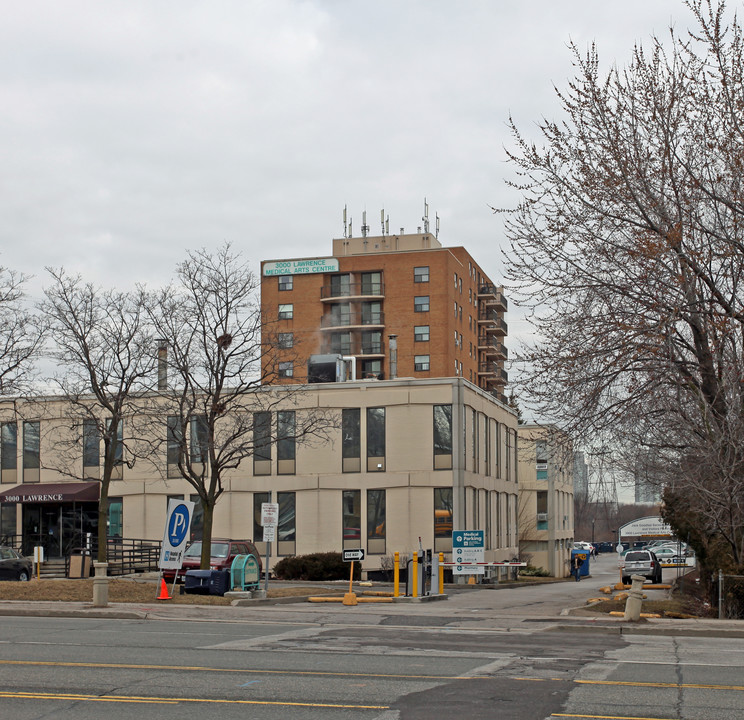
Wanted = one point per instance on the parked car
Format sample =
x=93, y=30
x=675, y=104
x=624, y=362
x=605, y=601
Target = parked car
x=581, y=545
x=604, y=547
x=668, y=555
x=13, y=566
x=641, y=562
x=223, y=552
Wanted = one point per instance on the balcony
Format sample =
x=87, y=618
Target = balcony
x=499, y=377
x=352, y=291
x=347, y=321
x=492, y=297
x=490, y=321
x=487, y=368
x=489, y=345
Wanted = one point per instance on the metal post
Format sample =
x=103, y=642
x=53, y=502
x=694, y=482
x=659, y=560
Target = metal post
x=441, y=574
x=720, y=594
x=414, y=575
x=266, y=569
x=396, y=575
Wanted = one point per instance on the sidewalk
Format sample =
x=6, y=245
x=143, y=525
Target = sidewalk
x=477, y=608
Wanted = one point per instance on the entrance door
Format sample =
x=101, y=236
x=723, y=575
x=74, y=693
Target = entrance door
x=42, y=526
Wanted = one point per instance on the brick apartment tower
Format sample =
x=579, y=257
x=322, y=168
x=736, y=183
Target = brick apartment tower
x=446, y=314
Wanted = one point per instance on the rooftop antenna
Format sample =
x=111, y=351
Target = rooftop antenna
x=436, y=235
x=344, y=220
x=426, y=216
x=382, y=220
x=365, y=227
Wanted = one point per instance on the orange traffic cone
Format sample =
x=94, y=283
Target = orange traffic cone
x=163, y=591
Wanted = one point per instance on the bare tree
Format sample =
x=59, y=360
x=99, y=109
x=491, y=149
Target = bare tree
x=106, y=358
x=221, y=360
x=628, y=247
x=21, y=333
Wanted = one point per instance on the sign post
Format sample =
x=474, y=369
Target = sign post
x=177, y=526
x=350, y=597
x=269, y=521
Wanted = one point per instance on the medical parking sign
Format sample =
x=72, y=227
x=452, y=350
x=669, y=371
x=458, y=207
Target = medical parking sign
x=177, y=525
x=467, y=549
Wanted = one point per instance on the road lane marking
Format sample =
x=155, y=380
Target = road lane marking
x=638, y=683
x=177, y=700
x=244, y=671
x=606, y=717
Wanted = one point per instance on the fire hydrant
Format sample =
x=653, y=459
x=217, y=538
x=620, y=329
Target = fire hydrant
x=635, y=598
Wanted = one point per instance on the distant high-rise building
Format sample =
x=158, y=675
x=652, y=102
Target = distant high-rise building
x=580, y=475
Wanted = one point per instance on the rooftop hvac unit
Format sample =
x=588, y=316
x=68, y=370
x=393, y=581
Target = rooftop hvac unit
x=542, y=517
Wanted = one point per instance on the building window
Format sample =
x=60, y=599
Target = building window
x=285, y=442
x=371, y=369
x=259, y=499
x=371, y=342
x=376, y=522
x=542, y=509
x=91, y=444
x=421, y=303
x=285, y=282
x=286, y=311
x=351, y=502
x=286, y=530
x=286, y=340
x=341, y=343
x=199, y=440
x=31, y=447
x=351, y=440
x=375, y=439
x=421, y=274
x=262, y=443
x=443, y=519
x=197, y=518
x=371, y=283
x=421, y=333
x=340, y=285
x=442, y=437
x=9, y=450
x=420, y=363
x=455, y=311
x=372, y=313
x=286, y=369
x=116, y=517
x=173, y=446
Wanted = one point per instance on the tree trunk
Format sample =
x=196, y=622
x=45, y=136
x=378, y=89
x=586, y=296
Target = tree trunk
x=206, y=553
x=103, y=513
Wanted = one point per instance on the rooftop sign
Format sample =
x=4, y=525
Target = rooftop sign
x=300, y=267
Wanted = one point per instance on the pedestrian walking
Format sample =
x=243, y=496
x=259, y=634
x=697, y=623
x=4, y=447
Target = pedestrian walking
x=576, y=563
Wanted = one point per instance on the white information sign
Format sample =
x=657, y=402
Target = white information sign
x=177, y=526
x=652, y=526
x=269, y=533
x=269, y=514
x=468, y=547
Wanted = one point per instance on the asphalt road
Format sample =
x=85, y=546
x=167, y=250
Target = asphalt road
x=481, y=654
x=66, y=668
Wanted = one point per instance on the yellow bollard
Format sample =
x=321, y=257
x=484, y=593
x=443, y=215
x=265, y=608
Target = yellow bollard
x=396, y=575
x=441, y=574
x=414, y=575
x=350, y=597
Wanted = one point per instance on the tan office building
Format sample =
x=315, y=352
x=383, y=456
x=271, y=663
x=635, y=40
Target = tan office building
x=403, y=459
x=546, y=509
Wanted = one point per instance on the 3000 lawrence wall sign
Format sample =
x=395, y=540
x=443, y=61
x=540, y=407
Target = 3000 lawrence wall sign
x=300, y=267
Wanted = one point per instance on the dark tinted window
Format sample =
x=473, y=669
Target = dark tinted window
x=634, y=556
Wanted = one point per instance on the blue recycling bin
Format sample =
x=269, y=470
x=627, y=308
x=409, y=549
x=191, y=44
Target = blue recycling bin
x=585, y=557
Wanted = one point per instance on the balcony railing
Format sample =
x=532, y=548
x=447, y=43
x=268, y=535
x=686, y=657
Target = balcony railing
x=493, y=297
x=352, y=290
x=354, y=319
x=490, y=345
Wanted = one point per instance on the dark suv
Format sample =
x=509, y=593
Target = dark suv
x=223, y=552
x=641, y=562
